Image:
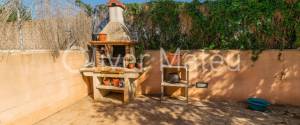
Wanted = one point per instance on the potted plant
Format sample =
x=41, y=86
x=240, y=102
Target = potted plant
x=131, y=65
x=139, y=65
x=116, y=82
x=174, y=58
x=102, y=37
x=106, y=81
x=130, y=61
x=140, y=51
x=139, y=62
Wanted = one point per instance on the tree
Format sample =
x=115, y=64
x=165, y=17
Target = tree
x=24, y=14
x=86, y=7
x=9, y=11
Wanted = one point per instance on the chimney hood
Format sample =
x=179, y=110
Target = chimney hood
x=116, y=29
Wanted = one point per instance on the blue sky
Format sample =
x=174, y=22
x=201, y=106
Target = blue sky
x=95, y=2
x=29, y=3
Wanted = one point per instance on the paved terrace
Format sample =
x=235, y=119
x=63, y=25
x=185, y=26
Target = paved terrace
x=149, y=111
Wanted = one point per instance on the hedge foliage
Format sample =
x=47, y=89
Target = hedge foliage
x=217, y=24
x=213, y=24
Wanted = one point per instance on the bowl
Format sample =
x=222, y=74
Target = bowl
x=258, y=104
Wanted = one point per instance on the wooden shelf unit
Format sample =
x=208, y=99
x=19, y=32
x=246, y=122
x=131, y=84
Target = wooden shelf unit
x=110, y=87
x=101, y=91
x=182, y=84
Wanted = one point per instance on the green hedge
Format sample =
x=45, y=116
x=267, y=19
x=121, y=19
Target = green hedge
x=218, y=24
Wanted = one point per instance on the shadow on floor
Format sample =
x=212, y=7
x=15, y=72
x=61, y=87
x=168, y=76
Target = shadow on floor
x=150, y=111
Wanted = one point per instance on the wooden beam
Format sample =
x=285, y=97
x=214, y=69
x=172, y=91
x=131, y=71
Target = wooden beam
x=110, y=87
x=126, y=90
x=113, y=42
x=96, y=93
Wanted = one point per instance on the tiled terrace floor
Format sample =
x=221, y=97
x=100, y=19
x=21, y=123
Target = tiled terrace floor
x=149, y=111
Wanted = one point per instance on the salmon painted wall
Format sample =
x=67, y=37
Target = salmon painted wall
x=36, y=84
x=234, y=76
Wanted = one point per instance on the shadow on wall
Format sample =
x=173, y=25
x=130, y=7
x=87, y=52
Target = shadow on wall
x=269, y=77
x=88, y=81
x=149, y=82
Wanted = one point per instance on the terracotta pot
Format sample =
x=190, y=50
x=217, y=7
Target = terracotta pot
x=106, y=82
x=116, y=82
x=131, y=65
x=102, y=37
x=174, y=59
x=139, y=65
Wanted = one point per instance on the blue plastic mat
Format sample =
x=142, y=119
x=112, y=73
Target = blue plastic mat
x=258, y=104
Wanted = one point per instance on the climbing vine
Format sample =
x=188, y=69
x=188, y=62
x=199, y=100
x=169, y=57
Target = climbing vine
x=220, y=24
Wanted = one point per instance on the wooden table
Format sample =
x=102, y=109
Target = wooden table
x=100, y=91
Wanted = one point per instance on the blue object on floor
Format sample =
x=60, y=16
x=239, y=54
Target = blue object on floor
x=258, y=104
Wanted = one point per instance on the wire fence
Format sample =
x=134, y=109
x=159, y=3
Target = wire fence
x=43, y=24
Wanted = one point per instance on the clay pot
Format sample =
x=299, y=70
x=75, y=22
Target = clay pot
x=106, y=82
x=139, y=65
x=116, y=82
x=102, y=37
x=173, y=78
x=174, y=59
x=131, y=65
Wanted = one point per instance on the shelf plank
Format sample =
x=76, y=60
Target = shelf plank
x=175, y=67
x=110, y=88
x=181, y=84
x=87, y=73
x=127, y=75
x=122, y=42
x=110, y=70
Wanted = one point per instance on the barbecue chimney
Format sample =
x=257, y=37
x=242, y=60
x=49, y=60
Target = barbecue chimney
x=114, y=40
x=116, y=30
x=116, y=9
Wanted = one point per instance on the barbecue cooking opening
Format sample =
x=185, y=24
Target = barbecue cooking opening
x=118, y=55
x=119, y=51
